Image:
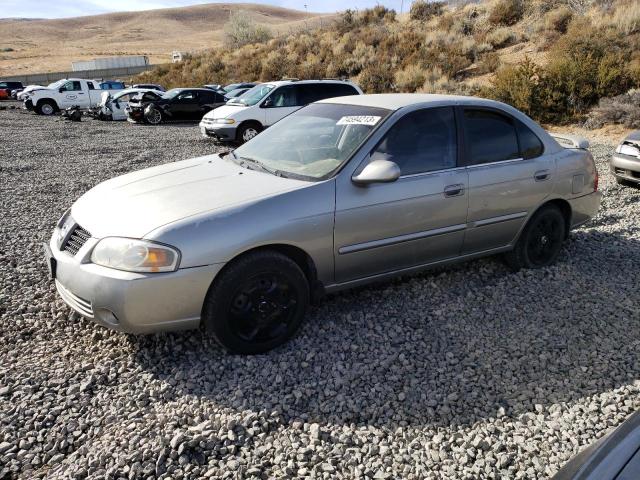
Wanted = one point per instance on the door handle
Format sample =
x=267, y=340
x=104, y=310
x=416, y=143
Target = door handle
x=454, y=190
x=541, y=175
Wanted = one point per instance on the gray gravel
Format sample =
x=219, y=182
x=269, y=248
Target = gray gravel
x=470, y=372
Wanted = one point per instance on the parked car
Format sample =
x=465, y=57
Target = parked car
x=213, y=86
x=262, y=106
x=30, y=88
x=149, y=86
x=8, y=86
x=113, y=106
x=178, y=104
x=235, y=93
x=340, y=193
x=234, y=86
x=4, y=95
x=112, y=85
x=65, y=93
x=616, y=456
x=625, y=162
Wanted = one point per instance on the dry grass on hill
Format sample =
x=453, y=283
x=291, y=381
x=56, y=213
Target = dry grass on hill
x=51, y=45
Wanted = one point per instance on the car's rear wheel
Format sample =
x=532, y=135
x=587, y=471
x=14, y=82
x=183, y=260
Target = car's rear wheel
x=257, y=303
x=46, y=107
x=541, y=240
x=153, y=117
x=248, y=131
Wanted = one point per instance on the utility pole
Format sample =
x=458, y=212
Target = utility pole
x=401, y=6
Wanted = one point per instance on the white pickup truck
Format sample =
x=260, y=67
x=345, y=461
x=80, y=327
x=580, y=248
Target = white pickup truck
x=68, y=92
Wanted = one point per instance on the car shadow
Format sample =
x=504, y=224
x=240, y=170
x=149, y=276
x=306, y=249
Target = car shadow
x=447, y=347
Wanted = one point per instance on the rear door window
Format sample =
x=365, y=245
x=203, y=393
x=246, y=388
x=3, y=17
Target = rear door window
x=490, y=137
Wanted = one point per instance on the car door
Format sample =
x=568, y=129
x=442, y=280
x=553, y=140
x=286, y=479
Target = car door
x=119, y=105
x=207, y=102
x=509, y=176
x=185, y=105
x=418, y=219
x=71, y=94
x=282, y=102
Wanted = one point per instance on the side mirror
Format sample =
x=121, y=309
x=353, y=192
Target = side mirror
x=377, y=171
x=267, y=103
x=61, y=89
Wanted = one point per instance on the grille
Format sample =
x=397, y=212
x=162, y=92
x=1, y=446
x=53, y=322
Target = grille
x=76, y=240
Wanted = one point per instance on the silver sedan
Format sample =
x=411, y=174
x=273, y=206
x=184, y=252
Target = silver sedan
x=343, y=192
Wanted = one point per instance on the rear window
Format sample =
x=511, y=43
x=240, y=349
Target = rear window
x=530, y=144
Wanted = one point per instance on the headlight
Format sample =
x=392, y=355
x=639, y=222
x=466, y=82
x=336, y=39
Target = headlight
x=63, y=218
x=225, y=121
x=135, y=255
x=627, y=149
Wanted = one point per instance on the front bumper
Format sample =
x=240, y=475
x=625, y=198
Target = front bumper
x=584, y=208
x=131, y=302
x=625, y=167
x=221, y=132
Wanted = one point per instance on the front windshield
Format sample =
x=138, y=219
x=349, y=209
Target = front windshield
x=57, y=84
x=230, y=87
x=254, y=95
x=171, y=93
x=312, y=142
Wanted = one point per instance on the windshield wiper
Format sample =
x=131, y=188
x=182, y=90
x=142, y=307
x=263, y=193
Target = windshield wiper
x=261, y=166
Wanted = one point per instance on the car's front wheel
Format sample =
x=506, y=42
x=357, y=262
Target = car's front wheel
x=153, y=116
x=248, y=131
x=541, y=240
x=46, y=107
x=257, y=303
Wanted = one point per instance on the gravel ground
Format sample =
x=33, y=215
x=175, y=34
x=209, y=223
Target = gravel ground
x=465, y=373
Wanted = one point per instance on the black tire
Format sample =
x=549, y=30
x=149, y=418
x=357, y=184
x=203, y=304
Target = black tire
x=626, y=183
x=541, y=240
x=247, y=131
x=46, y=107
x=154, y=117
x=257, y=303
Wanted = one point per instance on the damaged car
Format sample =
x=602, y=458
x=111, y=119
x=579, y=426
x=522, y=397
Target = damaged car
x=177, y=105
x=113, y=106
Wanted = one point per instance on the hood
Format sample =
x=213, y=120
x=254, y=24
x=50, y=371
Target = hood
x=135, y=204
x=225, y=111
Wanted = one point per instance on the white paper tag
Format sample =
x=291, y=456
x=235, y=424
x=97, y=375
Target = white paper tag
x=359, y=120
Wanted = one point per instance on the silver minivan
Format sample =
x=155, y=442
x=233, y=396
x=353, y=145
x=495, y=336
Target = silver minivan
x=341, y=193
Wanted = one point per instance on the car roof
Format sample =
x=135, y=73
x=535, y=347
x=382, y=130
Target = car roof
x=279, y=83
x=396, y=101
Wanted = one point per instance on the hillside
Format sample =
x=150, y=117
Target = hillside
x=51, y=45
x=552, y=59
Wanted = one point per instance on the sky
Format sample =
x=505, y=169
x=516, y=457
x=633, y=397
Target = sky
x=75, y=8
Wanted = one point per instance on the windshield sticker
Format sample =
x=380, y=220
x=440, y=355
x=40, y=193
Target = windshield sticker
x=359, y=120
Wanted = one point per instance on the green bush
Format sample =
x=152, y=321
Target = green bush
x=558, y=19
x=423, y=10
x=506, y=12
x=410, y=79
x=377, y=78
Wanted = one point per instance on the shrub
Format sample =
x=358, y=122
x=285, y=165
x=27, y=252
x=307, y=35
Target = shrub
x=558, y=20
x=275, y=66
x=622, y=109
x=489, y=63
x=501, y=37
x=506, y=12
x=423, y=10
x=521, y=86
x=410, y=79
x=626, y=18
x=241, y=30
x=376, y=78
